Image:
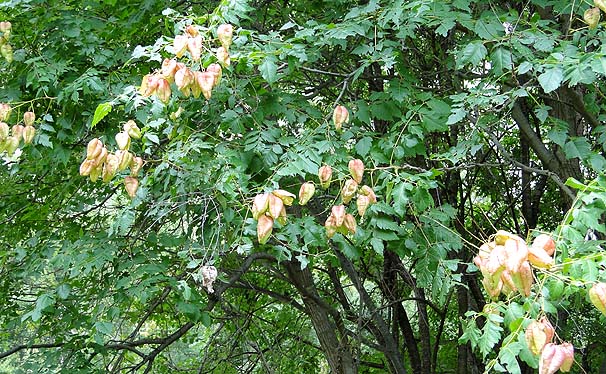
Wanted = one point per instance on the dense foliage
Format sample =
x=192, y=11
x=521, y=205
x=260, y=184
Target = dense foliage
x=466, y=116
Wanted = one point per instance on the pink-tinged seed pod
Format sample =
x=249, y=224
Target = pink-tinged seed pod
x=4, y=130
x=600, y=4
x=93, y=149
x=209, y=276
x=367, y=191
x=184, y=79
x=349, y=190
x=275, y=206
x=195, y=87
x=217, y=71
x=539, y=258
x=538, y=334
x=206, y=81
x=192, y=31
x=135, y=166
x=28, y=134
x=496, y=260
x=5, y=27
x=29, y=118
x=223, y=56
x=163, y=90
x=132, y=129
x=356, y=169
x=86, y=167
x=110, y=167
x=338, y=212
x=492, y=286
x=225, y=34
x=517, y=253
x=149, y=85
x=5, y=112
x=306, y=192
x=169, y=68
x=180, y=45
x=340, y=116
x=17, y=131
x=131, y=185
x=265, y=225
x=546, y=243
x=508, y=283
x=325, y=176
x=194, y=45
x=592, y=17
x=568, y=351
x=597, y=295
x=100, y=159
x=286, y=197
x=362, y=203
x=551, y=359
x=125, y=158
x=350, y=223
x=260, y=205
x=526, y=278
x=330, y=226
x=123, y=140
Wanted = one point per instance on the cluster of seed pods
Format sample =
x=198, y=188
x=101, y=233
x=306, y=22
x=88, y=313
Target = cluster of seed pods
x=189, y=82
x=11, y=137
x=100, y=163
x=553, y=357
x=6, y=50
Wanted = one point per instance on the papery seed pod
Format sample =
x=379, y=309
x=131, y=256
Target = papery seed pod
x=195, y=87
x=5, y=26
x=93, y=149
x=110, y=167
x=340, y=116
x=192, y=31
x=125, y=158
x=496, y=260
x=217, y=71
x=194, y=45
x=265, y=225
x=163, y=90
x=209, y=275
x=180, y=45
x=95, y=172
x=538, y=334
x=225, y=34
x=286, y=197
x=11, y=144
x=28, y=134
x=132, y=129
x=7, y=52
x=330, y=226
x=356, y=169
x=349, y=190
x=275, y=206
x=597, y=295
x=350, y=223
x=600, y=4
x=4, y=130
x=135, y=166
x=169, y=68
x=149, y=85
x=260, y=205
x=362, y=203
x=184, y=78
x=546, y=243
x=100, y=159
x=539, y=258
x=17, y=131
x=338, y=212
x=306, y=192
x=492, y=286
x=131, y=185
x=526, y=279
x=223, y=56
x=367, y=191
x=29, y=118
x=5, y=112
x=568, y=351
x=123, y=140
x=508, y=283
x=282, y=217
x=517, y=253
x=86, y=167
x=551, y=359
x=206, y=81
x=592, y=17
x=325, y=176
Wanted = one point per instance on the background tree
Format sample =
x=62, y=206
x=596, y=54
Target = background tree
x=468, y=117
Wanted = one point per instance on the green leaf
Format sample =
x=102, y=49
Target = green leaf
x=577, y=147
x=501, y=60
x=472, y=54
x=269, y=69
x=104, y=328
x=363, y=146
x=551, y=79
x=102, y=110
